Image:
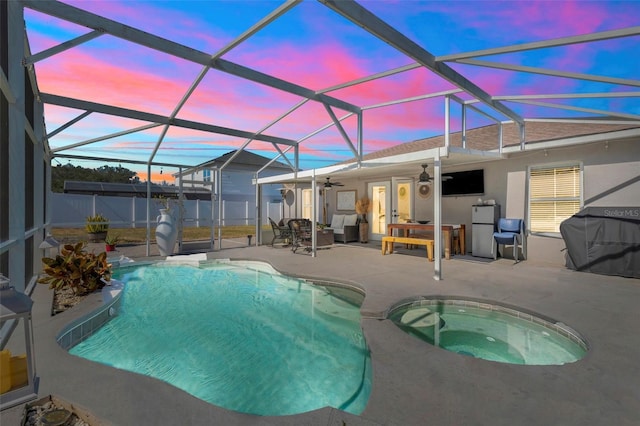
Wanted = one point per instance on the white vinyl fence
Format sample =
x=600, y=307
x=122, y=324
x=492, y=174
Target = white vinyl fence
x=71, y=211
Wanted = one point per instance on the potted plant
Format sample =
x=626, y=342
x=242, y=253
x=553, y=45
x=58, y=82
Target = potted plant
x=363, y=206
x=97, y=227
x=111, y=241
x=76, y=269
x=164, y=203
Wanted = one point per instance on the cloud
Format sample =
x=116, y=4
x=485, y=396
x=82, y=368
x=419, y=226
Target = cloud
x=83, y=76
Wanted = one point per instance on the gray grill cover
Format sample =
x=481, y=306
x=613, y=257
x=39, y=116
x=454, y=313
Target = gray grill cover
x=604, y=240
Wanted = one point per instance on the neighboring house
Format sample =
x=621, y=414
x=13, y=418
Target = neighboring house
x=561, y=167
x=237, y=178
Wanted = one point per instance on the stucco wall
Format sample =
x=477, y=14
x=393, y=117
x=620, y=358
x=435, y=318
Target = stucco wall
x=611, y=177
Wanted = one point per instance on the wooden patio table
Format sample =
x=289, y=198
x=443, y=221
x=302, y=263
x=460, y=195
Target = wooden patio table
x=447, y=230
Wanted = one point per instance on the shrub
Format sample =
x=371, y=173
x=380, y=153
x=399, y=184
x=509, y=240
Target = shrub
x=96, y=224
x=77, y=269
x=112, y=239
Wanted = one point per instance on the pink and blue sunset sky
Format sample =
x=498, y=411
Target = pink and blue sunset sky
x=315, y=48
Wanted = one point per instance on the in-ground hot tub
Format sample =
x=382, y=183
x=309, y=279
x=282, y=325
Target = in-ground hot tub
x=489, y=331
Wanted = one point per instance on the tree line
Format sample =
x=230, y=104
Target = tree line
x=105, y=173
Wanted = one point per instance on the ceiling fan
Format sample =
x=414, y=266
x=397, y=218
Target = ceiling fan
x=424, y=177
x=328, y=184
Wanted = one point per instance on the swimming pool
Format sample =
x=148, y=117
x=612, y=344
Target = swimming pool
x=240, y=336
x=489, y=331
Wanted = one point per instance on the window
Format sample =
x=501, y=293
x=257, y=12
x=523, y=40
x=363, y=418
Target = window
x=206, y=175
x=555, y=194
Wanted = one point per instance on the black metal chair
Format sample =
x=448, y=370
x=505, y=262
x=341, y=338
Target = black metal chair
x=300, y=234
x=281, y=233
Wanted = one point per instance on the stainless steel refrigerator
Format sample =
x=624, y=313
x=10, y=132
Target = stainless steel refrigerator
x=483, y=225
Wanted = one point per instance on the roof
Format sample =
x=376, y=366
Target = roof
x=245, y=160
x=481, y=146
x=486, y=138
x=134, y=190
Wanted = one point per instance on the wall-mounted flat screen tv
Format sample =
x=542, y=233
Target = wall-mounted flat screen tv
x=470, y=182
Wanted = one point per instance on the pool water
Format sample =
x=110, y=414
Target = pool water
x=490, y=332
x=240, y=338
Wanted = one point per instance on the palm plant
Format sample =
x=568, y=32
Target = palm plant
x=96, y=224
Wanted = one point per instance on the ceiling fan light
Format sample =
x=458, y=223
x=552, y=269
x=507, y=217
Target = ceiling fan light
x=424, y=177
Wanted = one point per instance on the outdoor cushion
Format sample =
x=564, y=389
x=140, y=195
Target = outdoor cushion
x=337, y=221
x=350, y=220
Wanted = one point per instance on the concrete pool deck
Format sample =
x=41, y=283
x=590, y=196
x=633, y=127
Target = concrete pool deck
x=414, y=383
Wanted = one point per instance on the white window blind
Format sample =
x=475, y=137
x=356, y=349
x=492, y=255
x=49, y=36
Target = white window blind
x=554, y=195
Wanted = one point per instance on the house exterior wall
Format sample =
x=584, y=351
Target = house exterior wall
x=611, y=177
x=237, y=185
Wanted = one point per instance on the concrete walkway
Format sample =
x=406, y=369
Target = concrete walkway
x=414, y=383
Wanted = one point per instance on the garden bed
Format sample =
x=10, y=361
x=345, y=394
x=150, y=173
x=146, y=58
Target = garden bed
x=63, y=299
x=51, y=410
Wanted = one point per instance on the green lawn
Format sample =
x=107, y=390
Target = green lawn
x=138, y=235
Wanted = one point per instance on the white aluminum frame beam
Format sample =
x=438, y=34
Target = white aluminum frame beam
x=372, y=77
x=116, y=160
x=385, y=32
x=343, y=133
x=273, y=123
x=570, y=96
x=62, y=47
x=478, y=110
x=580, y=109
x=413, y=99
x=304, y=138
x=563, y=41
x=5, y=87
x=550, y=72
x=105, y=137
x=68, y=124
x=134, y=35
x=254, y=29
x=156, y=118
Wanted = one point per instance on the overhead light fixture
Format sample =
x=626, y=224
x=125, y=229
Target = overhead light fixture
x=424, y=177
x=328, y=184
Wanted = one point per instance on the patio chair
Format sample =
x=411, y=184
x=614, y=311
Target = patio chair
x=510, y=233
x=282, y=233
x=300, y=234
